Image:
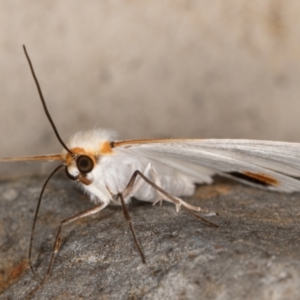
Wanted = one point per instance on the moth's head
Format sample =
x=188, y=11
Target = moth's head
x=80, y=165
x=86, y=149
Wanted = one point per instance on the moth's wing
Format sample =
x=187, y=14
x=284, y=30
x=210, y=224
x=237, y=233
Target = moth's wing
x=196, y=173
x=267, y=164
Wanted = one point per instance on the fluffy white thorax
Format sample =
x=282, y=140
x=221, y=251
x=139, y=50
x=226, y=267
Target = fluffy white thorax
x=91, y=140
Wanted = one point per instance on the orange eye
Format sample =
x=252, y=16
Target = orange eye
x=84, y=164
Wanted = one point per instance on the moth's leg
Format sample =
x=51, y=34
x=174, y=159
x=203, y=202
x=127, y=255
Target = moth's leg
x=132, y=189
x=177, y=201
x=57, y=242
x=135, y=185
x=128, y=219
x=187, y=205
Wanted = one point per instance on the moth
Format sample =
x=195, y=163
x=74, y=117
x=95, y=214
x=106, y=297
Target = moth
x=154, y=170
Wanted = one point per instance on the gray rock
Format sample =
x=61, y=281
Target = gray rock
x=254, y=254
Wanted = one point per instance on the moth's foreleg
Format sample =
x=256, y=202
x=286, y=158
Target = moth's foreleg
x=57, y=242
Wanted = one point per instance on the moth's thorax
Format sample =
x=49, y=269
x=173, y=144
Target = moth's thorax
x=95, y=141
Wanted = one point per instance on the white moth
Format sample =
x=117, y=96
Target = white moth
x=152, y=170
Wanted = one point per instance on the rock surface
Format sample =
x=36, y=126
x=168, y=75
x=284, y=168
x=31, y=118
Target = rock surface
x=254, y=254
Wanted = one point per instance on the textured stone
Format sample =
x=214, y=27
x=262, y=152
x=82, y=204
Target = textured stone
x=254, y=254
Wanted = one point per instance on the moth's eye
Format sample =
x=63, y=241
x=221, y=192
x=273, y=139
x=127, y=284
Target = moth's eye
x=84, y=164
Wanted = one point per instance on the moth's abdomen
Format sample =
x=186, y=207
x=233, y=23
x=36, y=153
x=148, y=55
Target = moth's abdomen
x=177, y=185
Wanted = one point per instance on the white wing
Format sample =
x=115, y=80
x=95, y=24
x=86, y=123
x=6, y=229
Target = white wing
x=267, y=164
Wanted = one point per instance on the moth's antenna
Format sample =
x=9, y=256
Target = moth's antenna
x=44, y=103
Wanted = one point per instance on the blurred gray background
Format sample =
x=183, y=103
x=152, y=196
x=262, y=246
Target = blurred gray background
x=189, y=68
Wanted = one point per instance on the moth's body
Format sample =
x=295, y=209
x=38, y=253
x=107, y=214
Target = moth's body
x=176, y=165
x=114, y=168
